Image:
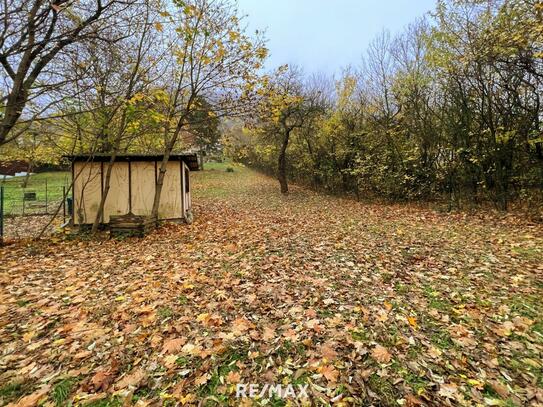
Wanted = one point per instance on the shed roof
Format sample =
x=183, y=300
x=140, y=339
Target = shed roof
x=190, y=159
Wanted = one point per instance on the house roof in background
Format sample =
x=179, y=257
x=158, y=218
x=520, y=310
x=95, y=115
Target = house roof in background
x=190, y=159
x=13, y=167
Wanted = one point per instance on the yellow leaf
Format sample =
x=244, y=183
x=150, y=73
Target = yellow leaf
x=27, y=337
x=412, y=321
x=234, y=35
x=203, y=379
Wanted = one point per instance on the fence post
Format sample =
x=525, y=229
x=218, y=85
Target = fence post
x=1, y=215
x=63, y=204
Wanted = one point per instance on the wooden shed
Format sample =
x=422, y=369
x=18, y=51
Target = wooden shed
x=132, y=186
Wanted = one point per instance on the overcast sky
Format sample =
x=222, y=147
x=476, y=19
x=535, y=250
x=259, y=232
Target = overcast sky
x=326, y=35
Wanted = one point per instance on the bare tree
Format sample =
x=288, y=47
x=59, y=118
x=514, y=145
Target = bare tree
x=215, y=59
x=36, y=34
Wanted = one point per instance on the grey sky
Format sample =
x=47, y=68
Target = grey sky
x=326, y=35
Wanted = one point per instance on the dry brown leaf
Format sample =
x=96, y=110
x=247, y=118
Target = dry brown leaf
x=202, y=379
x=233, y=377
x=448, y=390
x=134, y=379
x=330, y=372
x=269, y=334
x=102, y=380
x=381, y=354
x=328, y=351
x=499, y=388
x=173, y=345
x=32, y=399
x=505, y=329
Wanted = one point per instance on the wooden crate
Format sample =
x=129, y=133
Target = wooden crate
x=131, y=225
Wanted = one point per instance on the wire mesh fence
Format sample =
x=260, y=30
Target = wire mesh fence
x=29, y=202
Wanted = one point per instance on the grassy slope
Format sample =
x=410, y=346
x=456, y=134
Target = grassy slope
x=368, y=303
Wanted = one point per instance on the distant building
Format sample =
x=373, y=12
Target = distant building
x=14, y=168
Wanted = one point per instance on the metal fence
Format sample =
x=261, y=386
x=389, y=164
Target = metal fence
x=26, y=205
x=1, y=214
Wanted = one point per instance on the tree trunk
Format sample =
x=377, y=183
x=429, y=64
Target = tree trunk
x=27, y=176
x=160, y=180
x=282, y=164
x=105, y=191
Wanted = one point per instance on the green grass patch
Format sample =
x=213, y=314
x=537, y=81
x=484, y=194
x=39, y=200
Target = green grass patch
x=109, y=402
x=360, y=334
x=436, y=299
x=22, y=303
x=442, y=339
x=62, y=391
x=165, y=312
x=13, y=391
x=384, y=389
x=46, y=185
x=528, y=253
x=225, y=365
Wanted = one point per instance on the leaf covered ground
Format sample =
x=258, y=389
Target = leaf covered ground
x=365, y=304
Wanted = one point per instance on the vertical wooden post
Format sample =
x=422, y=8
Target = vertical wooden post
x=46, y=199
x=101, y=187
x=182, y=189
x=64, y=197
x=129, y=186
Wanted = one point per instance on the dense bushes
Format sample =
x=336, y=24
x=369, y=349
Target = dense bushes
x=451, y=108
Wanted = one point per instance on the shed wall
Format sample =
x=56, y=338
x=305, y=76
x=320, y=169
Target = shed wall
x=132, y=187
x=170, y=199
x=187, y=201
x=143, y=187
x=117, y=201
x=87, y=191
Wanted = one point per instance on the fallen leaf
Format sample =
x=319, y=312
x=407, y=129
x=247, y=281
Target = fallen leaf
x=133, y=379
x=32, y=399
x=381, y=354
x=233, y=377
x=173, y=345
x=413, y=322
x=269, y=334
x=203, y=379
x=330, y=372
x=102, y=380
x=448, y=390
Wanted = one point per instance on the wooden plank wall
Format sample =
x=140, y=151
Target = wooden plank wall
x=170, y=200
x=87, y=191
x=132, y=187
x=117, y=202
x=143, y=187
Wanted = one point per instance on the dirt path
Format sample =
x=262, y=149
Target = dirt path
x=363, y=303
